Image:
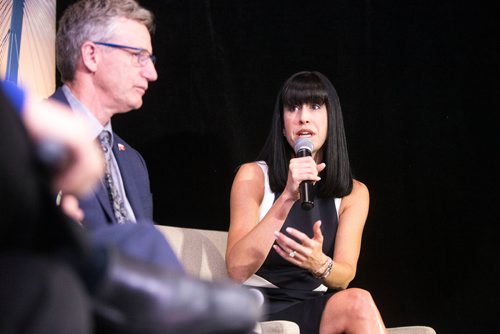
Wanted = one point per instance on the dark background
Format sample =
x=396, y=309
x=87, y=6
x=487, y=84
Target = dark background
x=419, y=90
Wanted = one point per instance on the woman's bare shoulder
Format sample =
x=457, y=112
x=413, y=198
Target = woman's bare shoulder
x=249, y=170
x=358, y=195
x=359, y=188
x=248, y=185
x=357, y=201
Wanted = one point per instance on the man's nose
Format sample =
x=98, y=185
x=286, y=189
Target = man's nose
x=149, y=71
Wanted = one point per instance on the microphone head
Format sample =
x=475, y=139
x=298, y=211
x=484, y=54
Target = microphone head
x=303, y=144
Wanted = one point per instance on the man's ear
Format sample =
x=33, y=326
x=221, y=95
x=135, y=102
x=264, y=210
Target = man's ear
x=90, y=56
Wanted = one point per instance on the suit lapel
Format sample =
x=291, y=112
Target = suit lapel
x=122, y=156
x=59, y=96
x=100, y=192
x=102, y=196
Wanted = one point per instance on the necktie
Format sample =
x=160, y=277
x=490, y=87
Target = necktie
x=114, y=195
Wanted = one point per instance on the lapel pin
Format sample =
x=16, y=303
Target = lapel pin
x=121, y=147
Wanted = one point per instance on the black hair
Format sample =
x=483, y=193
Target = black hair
x=309, y=87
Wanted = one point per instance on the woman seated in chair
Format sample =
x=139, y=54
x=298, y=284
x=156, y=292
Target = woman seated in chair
x=303, y=260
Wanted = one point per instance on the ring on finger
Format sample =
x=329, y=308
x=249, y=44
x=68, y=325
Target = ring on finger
x=292, y=253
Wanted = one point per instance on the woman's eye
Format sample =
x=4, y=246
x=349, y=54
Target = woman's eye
x=295, y=108
x=316, y=106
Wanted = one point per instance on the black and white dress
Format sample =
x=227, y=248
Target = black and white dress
x=292, y=292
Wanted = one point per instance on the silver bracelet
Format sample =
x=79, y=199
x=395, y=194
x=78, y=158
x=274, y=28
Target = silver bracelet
x=328, y=270
x=325, y=273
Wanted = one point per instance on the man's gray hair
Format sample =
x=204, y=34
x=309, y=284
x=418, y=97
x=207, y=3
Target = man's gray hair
x=92, y=20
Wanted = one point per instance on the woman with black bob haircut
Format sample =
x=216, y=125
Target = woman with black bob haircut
x=303, y=258
x=308, y=88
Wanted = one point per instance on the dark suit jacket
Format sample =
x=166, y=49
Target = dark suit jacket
x=97, y=206
x=32, y=225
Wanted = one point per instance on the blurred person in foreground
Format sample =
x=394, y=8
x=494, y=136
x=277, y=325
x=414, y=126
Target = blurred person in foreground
x=54, y=278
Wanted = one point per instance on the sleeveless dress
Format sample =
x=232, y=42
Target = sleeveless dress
x=292, y=292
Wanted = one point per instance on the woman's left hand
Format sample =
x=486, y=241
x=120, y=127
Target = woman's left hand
x=306, y=253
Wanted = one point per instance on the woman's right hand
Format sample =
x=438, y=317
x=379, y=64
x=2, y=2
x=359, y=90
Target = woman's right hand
x=299, y=170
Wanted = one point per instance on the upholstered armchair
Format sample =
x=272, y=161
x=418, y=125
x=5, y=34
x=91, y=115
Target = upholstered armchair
x=202, y=254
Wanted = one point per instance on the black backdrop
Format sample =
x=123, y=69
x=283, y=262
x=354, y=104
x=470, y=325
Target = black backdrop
x=418, y=86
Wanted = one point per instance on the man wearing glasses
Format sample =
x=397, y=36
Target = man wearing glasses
x=104, y=56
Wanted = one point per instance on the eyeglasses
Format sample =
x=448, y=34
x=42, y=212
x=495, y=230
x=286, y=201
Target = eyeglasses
x=142, y=55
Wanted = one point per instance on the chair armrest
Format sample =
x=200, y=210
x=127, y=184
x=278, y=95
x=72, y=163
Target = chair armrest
x=411, y=330
x=277, y=327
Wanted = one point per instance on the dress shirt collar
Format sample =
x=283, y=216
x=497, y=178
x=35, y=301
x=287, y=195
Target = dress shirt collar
x=79, y=108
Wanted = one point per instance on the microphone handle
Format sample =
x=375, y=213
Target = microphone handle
x=306, y=188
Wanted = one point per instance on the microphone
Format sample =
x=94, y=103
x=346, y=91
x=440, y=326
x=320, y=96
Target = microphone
x=303, y=148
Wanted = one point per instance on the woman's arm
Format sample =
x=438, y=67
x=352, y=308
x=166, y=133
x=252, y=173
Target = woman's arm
x=249, y=241
x=352, y=217
x=308, y=253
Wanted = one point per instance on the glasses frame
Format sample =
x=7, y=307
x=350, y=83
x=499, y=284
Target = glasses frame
x=142, y=54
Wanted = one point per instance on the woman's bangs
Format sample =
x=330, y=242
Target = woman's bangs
x=308, y=91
